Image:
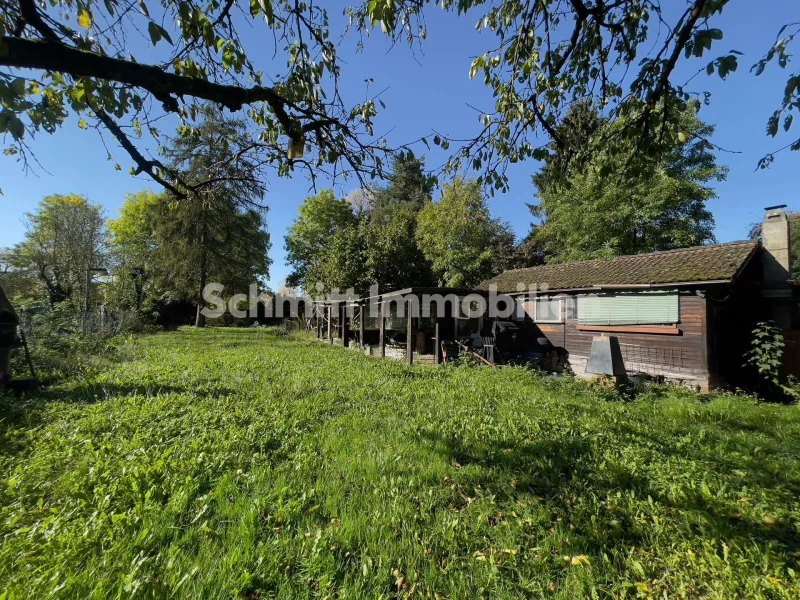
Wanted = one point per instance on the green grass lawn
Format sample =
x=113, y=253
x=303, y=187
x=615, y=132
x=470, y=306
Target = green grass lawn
x=243, y=464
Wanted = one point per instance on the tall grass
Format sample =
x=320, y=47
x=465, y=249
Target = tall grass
x=242, y=464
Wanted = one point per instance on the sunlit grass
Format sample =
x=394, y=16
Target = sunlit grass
x=238, y=463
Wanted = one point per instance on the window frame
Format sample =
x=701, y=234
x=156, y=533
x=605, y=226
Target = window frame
x=571, y=314
x=559, y=299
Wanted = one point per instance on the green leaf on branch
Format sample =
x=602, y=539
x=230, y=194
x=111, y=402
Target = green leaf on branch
x=157, y=33
x=265, y=6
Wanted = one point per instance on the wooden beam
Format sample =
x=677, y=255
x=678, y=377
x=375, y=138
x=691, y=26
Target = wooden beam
x=657, y=329
x=361, y=325
x=476, y=355
x=704, y=337
x=437, y=344
x=383, y=330
x=344, y=326
x=410, y=336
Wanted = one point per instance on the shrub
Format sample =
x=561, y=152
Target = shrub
x=765, y=358
x=59, y=348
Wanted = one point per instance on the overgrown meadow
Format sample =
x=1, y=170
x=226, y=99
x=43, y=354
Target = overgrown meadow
x=245, y=464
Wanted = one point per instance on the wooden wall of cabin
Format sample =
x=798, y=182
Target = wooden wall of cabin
x=791, y=359
x=732, y=316
x=733, y=313
x=683, y=356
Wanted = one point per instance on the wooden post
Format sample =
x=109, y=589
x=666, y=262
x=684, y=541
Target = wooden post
x=318, y=321
x=344, y=326
x=410, y=336
x=383, y=330
x=329, y=311
x=437, y=344
x=361, y=325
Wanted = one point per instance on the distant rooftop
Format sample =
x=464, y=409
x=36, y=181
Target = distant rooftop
x=718, y=262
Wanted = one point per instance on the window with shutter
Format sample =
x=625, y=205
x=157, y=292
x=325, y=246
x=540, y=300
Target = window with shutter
x=641, y=308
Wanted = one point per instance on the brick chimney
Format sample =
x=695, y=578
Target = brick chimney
x=777, y=260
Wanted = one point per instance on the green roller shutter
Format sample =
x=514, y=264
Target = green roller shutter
x=643, y=308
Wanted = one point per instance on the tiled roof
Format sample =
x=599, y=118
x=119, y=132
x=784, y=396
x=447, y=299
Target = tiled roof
x=701, y=263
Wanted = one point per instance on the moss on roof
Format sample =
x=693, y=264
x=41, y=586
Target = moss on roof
x=701, y=263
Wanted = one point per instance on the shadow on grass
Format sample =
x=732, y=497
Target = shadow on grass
x=756, y=472
x=18, y=416
x=99, y=391
x=557, y=472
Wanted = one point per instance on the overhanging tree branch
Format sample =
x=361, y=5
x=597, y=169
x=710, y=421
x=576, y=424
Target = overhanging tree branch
x=143, y=165
x=57, y=57
x=680, y=43
x=32, y=17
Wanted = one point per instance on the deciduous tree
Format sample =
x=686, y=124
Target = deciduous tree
x=132, y=247
x=341, y=265
x=320, y=217
x=15, y=280
x=622, y=55
x=64, y=238
x=458, y=235
x=393, y=257
x=596, y=203
x=59, y=59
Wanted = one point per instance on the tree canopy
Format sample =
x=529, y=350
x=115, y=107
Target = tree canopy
x=17, y=280
x=120, y=65
x=408, y=184
x=132, y=245
x=157, y=251
x=216, y=234
x=621, y=56
x=458, y=235
x=596, y=203
x=64, y=239
x=367, y=238
x=57, y=59
x=394, y=259
x=319, y=218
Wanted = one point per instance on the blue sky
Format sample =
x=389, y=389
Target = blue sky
x=430, y=89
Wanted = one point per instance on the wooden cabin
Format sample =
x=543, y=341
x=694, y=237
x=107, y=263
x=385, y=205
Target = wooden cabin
x=686, y=315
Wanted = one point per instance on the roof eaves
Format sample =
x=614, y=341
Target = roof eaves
x=635, y=286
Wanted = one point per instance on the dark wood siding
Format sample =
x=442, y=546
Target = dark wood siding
x=733, y=312
x=684, y=353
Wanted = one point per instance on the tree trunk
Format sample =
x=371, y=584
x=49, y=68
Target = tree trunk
x=200, y=321
x=137, y=275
